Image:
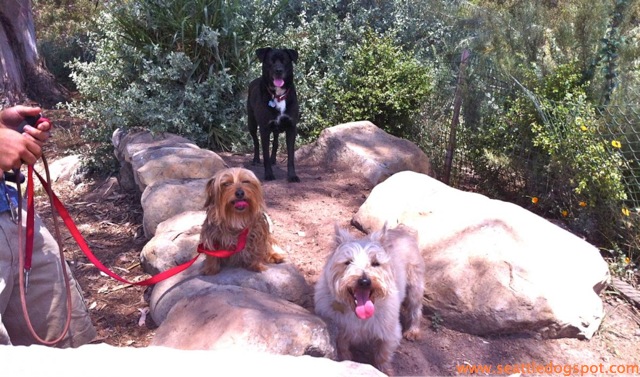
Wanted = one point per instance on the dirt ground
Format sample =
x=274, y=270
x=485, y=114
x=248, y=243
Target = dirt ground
x=304, y=215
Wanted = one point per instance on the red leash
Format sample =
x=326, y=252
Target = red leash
x=75, y=233
x=26, y=258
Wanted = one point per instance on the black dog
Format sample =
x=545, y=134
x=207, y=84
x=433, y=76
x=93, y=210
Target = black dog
x=273, y=108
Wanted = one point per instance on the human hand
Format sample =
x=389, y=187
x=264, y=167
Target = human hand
x=18, y=148
x=13, y=117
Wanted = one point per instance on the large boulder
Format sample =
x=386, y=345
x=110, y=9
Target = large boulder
x=166, y=199
x=493, y=267
x=234, y=318
x=18, y=361
x=168, y=162
x=365, y=150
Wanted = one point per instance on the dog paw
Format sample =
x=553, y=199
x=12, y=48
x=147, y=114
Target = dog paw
x=276, y=258
x=258, y=267
x=210, y=270
x=412, y=334
x=293, y=178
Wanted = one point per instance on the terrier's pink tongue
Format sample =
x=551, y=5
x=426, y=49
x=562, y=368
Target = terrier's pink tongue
x=278, y=83
x=364, y=306
x=241, y=204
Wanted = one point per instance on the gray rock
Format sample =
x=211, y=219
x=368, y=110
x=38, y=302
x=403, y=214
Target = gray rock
x=128, y=143
x=493, y=267
x=365, y=150
x=166, y=199
x=65, y=168
x=156, y=164
x=234, y=318
x=175, y=242
x=283, y=281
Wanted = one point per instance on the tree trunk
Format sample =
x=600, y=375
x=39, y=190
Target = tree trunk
x=22, y=74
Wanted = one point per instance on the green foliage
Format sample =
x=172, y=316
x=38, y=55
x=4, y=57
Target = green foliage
x=62, y=27
x=547, y=143
x=381, y=83
x=586, y=167
x=170, y=66
x=533, y=122
x=328, y=35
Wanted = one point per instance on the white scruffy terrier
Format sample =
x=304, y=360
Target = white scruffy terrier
x=371, y=290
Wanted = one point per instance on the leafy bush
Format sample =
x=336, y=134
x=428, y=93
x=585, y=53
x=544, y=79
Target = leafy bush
x=326, y=34
x=382, y=83
x=547, y=145
x=169, y=66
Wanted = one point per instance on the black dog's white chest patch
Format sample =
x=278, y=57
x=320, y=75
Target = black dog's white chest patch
x=280, y=105
x=279, y=100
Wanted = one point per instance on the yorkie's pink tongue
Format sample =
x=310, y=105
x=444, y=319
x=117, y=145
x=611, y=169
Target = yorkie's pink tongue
x=240, y=204
x=364, y=306
x=278, y=83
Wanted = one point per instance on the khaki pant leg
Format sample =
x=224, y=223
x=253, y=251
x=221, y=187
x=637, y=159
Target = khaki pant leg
x=46, y=296
x=6, y=274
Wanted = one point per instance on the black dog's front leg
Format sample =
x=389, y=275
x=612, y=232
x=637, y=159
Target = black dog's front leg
x=286, y=124
x=256, y=149
x=253, y=131
x=265, y=134
x=276, y=136
x=291, y=169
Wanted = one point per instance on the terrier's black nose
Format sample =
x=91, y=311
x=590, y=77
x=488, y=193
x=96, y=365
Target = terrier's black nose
x=364, y=282
x=239, y=193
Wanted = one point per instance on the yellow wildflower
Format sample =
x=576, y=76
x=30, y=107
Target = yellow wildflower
x=625, y=211
x=565, y=213
x=616, y=144
x=583, y=127
x=582, y=204
x=534, y=200
x=627, y=260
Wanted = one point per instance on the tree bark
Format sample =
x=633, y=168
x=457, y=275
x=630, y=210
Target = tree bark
x=23, y=77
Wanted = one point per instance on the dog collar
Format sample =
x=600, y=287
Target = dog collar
x=279, y=98
x=242, y=241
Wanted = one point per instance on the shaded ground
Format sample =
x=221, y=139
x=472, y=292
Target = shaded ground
x=304, y=215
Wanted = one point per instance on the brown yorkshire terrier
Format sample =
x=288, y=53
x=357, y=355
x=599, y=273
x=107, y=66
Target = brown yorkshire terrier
x=235, y=205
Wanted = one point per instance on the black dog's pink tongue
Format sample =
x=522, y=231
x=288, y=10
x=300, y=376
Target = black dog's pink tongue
x=364, y=306
x=240, y=204
x=278, y=83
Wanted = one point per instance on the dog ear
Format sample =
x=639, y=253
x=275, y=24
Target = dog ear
x=293, y=54
x=261, y=53
x=342, y=235
x=209, y=192
x=379, y=235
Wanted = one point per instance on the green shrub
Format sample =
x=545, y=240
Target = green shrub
x=381, y=83
x=170, y=66
x=548, y=144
